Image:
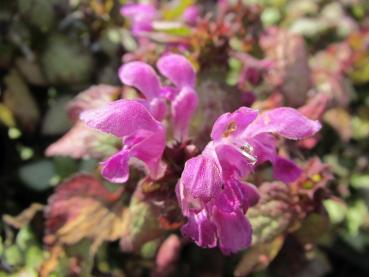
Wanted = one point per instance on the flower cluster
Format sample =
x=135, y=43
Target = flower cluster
x=211, y=191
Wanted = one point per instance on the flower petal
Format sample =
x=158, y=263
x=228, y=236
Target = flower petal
x=263, y=147
x=232, y=124
x=285, y=170
x=201, y=177
x=121, y=118
x=115, y=169
x=233, y=229
x=191, y=15
x=234, y=162
x=158, y=108
x=200, y=229
x=183, y=106
x=284, y=121
x=141, y=76
x=237, y=195
x=149, y=147
x=177, y=69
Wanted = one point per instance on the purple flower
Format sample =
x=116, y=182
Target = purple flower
x=138, y=122
x=243, y=140
x=144, y=78
x=143, y=137
x=210, y=192
x=221, y=216
x=141, y=15
x=182, y=94
x=191, y=15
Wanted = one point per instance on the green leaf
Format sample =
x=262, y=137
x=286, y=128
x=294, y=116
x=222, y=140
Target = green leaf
x=13, y=255
x=273, y=215
x=337, y=210
x=149, y=249
x=37, y=175
x=31, y=71
x=65, y=61
x=39, y=13
x=19, y=100
x=356, y=216
x=56, y=120
x=172, y=28
x=360, y=181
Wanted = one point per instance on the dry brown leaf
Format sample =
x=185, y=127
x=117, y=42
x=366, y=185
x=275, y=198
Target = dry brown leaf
x=83, y=208
x=24, y=217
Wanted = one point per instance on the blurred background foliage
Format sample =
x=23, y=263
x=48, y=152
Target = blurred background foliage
x=50, y=50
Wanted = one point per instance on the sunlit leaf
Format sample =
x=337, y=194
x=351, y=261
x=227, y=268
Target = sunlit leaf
x=336, y=209
x=25, y=217
x=6, y=116
x=65, y=61
x=18, y=98
x=56, y=120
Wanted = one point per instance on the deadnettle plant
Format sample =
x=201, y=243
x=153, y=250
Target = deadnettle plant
x=139, y=122
x=211, y=191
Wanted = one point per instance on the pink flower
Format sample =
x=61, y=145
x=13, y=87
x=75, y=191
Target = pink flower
x=191, y=15
x=144, y=78
x=210, y=192
x=182, y=94
x=142, y=135
x=243, y=140
x=138, y=122
x=141, y=15
x=220, y=219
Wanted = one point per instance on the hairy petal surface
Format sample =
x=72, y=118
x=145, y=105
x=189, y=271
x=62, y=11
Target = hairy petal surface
x=284, y=121
x=141, y=76
x=201, y=177
x=285, y=170
x=183, y=106
x=143, y=136
x=232, y=124
x=177, y=69
x=200, y=229
x=234, y=162
x=121, y=118
x=115, y=168
x=233, y=229
x=237, y=195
